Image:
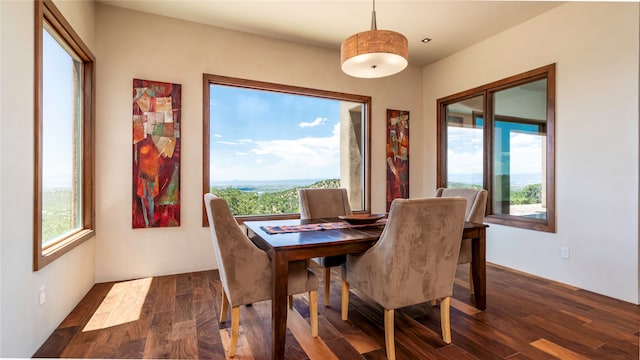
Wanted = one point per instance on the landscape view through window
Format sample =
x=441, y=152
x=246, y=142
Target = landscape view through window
x=265, y=145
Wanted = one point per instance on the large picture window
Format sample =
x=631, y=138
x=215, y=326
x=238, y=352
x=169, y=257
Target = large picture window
x=264, y=141
x=64, y=124
x=500, y=137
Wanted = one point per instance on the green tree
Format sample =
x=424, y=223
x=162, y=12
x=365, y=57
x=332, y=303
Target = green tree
x=529, y=194
x=267, y=202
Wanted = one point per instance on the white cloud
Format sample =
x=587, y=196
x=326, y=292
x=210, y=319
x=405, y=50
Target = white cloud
x=234, y=143
x=464, y=152
x=227, y=143
x=217, y=135
x=464, y=162
x=526, y=153
x=316, y=122
x=277, y=159
x=300, y=149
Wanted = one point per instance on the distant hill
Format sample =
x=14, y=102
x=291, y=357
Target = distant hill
x=323, y=184
x=266, y=198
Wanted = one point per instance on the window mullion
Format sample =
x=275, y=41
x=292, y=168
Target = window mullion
x=488, y=148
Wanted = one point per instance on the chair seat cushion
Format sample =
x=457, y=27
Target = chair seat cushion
x=301, y=279
x=331, y=261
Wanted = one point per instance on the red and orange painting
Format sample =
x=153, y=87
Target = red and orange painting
x=156, y=154
x=397, y=155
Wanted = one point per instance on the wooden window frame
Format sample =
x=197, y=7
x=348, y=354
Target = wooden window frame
x=209, y=79
x=546, y=72
x=46, y=11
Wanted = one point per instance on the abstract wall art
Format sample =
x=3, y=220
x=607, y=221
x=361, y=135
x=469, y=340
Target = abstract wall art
x=397, y=155
x=156, y=154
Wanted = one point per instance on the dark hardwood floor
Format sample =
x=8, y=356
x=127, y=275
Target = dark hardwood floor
x=177, y=316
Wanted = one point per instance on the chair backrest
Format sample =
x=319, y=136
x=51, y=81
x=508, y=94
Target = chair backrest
x=241, y=264
x=476, y=201
x=418, y=250
x=319, y=203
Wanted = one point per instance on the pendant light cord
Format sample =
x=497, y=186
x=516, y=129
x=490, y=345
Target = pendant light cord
x=374, y=26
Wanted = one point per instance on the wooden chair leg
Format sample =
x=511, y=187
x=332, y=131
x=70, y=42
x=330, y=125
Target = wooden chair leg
x=345, y=300
x=327, y=285
x=313, y=310
x=290, y=301
x=471, y=279
x=445, y=323
x=389, y=341
x=224, y=307
x=235, y=330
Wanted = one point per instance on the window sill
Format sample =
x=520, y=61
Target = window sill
x=522, y=222
x=62, y=247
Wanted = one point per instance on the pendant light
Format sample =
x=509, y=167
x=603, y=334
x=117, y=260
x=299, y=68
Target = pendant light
x=374, y=53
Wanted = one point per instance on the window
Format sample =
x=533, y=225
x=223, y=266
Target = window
x=500, y=137
x=63, y=137
x=264, y=141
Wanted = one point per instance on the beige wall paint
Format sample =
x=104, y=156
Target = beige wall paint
x=24, y=324
x=595, y=47
x=594, y=44
x=136, y=45
x=81, y=15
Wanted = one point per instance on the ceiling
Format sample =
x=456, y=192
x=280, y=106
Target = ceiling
x=452, y=25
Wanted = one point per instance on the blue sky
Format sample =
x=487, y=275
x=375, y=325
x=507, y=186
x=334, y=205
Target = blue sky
x=263, y=135
x=57, y=114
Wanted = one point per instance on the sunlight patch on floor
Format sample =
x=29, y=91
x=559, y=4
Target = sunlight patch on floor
x=556, y=350
x=315, y=348
x=122, y=304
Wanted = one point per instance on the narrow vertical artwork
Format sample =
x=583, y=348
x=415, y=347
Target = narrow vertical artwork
x=397, y=155
x=156, y=154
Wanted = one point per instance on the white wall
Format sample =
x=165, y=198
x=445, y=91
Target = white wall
x=25, y=324
x=137, y=45
x=595, y=48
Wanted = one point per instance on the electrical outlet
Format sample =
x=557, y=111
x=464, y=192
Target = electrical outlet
x=564, y=252
x=43, y=295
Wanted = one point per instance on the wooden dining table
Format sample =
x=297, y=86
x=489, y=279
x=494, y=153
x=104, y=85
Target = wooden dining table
x=284, y=247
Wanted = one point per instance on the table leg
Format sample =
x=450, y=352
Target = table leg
x=479, y=265
x=279, y=303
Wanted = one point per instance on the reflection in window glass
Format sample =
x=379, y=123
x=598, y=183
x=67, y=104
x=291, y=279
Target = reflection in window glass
x=465, y=143
x=265, y=145
x=61, y=173
x=519, y=138
x=501, y=135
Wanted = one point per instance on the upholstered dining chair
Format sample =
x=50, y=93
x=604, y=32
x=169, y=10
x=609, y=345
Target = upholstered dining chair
x=246, y=272
x=413, y=262
x=325, y=203
x=476, y=205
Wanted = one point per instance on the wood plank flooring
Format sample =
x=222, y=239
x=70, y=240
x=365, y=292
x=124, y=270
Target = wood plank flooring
x=177, y=316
